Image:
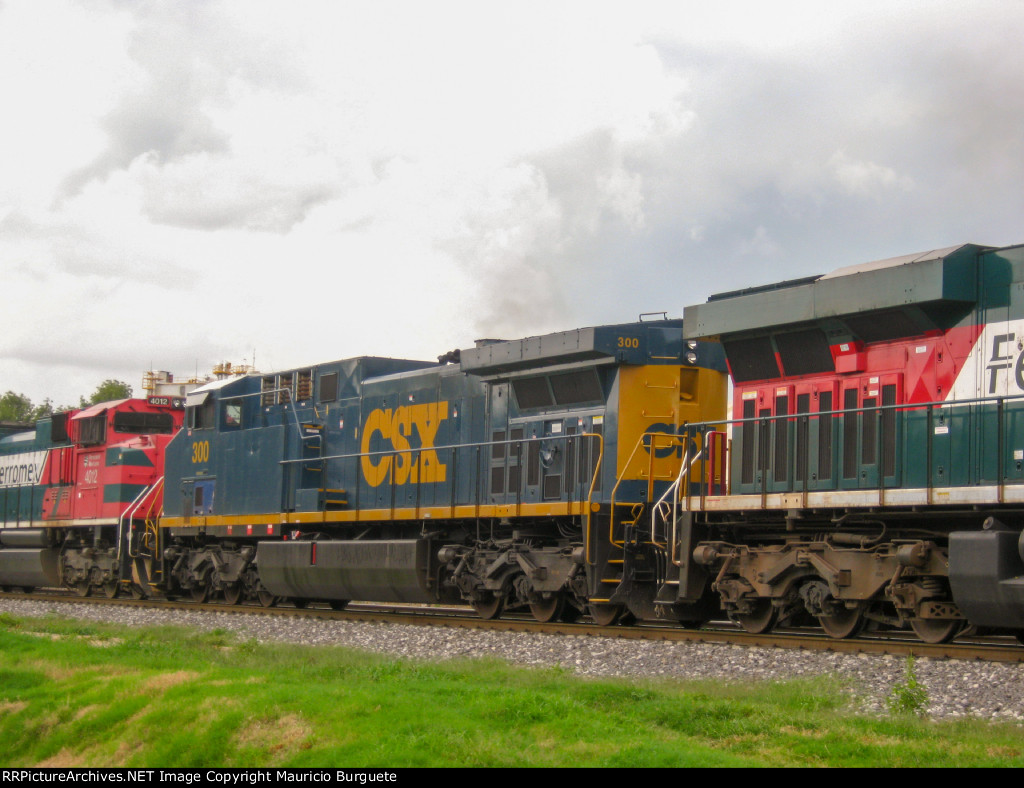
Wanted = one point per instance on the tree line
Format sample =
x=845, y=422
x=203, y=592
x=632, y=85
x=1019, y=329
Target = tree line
x=19, y=408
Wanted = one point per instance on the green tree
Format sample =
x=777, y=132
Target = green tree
x=107, y=390
x=45, y=408
x=15, y=407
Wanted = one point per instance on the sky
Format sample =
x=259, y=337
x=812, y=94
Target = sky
x=184, y=183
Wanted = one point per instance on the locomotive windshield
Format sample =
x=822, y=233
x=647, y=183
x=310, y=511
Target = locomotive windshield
x=144, y=423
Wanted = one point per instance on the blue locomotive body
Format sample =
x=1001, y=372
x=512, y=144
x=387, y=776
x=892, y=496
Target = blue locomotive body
x=398, y=480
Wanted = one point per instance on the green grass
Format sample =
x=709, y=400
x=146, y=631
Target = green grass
x=83, y=694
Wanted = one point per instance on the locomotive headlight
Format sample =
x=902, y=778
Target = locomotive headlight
x=691, y=344
x=691, y=358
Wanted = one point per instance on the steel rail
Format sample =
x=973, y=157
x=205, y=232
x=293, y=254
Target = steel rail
x=1003, y=649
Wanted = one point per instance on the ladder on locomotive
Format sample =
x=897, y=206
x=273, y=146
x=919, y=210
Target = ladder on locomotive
x=627, y=532
x=311, y=436
x=141, y=544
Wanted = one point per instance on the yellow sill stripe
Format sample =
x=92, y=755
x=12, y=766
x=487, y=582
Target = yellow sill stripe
x=462, y=512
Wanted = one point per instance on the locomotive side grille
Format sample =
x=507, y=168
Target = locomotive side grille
x=889, y=431
x=764, y=431
x=752, y=359
x=533, y=464
x=805, y=352
x=781, y=440
x=850, y=434
x=880, y=326
x=498, y=480
x=803, y=405
x=570, y=457
x=825, y=436
x=869, y=445
x=747, y=450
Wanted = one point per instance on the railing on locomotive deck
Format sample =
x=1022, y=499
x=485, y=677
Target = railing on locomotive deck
x=872, y=448
x=652, y=443
x=147, y=498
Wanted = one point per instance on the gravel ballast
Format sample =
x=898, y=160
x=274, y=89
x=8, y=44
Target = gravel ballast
x=956, y=688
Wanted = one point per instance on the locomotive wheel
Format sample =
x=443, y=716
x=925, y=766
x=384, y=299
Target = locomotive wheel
x=233, y=594
x=200, y=593
x=266, y=599
x=605, y=615
x=300, y=602
x=937, y=630
x=82, y=588
x=846, y=623
x=762, y=619
x=547, y=610
x=490, y=608
x=111, y=589
x=339, y=604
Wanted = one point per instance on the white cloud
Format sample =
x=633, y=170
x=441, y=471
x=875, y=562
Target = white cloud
x=865, y=178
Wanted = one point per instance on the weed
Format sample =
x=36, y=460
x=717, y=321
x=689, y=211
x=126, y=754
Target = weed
x=9, y=621
x=909, y=696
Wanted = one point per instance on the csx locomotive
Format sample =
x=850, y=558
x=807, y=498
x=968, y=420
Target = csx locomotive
x=870, y=473
x=503, y=477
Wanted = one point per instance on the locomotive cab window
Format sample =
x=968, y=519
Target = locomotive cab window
x=144, y=423
x=231, y=415
x=59, y=428
x=93, y=431
x=201, y=417
x=329, y=387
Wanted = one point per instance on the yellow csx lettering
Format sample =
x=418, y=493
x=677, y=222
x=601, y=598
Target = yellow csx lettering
x=397, y=427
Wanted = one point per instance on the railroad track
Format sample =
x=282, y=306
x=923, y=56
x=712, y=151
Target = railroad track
x=991, y=649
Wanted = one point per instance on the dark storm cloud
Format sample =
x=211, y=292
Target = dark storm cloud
x=501, y=246
x=789, y=164
x=529, y=247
